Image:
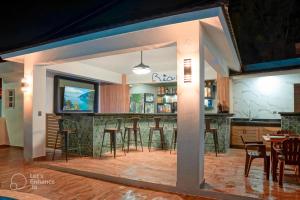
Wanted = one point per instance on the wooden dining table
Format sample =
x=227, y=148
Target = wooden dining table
x=274, y=139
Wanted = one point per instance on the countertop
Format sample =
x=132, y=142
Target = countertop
x=290, y=113
x=256, y=122
x=147, y=114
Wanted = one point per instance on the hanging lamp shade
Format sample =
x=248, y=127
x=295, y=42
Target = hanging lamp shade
x=141, y=68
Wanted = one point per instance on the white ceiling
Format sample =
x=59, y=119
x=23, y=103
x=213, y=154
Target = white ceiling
x=162, y=59
x=11, y=72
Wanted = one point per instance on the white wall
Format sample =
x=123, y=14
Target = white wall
x=50, y=92
x=264, y=96
x=14, y=116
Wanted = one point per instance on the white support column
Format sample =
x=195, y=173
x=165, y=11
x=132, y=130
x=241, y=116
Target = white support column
x=34, y=121
x=39, y=111
x=28, y=137
x=190, y=152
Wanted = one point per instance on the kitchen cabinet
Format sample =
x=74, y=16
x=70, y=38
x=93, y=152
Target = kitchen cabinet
x=249, y=133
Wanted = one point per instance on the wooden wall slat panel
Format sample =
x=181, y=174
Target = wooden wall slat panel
x=114, y=98
x=51, y=131
x=223, y=91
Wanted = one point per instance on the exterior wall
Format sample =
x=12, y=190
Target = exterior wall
x=264, y=96
x=50, y=92
x=14, y=116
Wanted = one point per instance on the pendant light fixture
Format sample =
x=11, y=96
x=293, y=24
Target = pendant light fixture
x=141, y=68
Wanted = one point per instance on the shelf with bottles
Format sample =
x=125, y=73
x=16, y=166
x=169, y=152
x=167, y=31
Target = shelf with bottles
x=167, y=107
x=166, y=90
x=166, y=99
x=210, y=89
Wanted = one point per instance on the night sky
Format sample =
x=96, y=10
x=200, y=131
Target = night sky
x=265, y=30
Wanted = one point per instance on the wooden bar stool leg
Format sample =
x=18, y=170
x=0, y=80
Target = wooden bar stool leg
x=114, y=142
x=246, y=164
x=171, y=145
x=161, y=132
x=215, y=143
x=175, y=140
x=150, y=139
x=111, y=141
x=249, y=166
x=141, y=139
x=123, y=141
x=103, y=137
x=128, y=139
x=66, y=145
x=79, y=145
x=135, y=138
x=55, y=145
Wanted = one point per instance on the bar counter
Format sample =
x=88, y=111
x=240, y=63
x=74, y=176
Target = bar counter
x=91, y=126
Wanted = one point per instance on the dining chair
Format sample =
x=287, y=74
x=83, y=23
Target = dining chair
x=285, y=132
x=288, y=154
x=259, y=152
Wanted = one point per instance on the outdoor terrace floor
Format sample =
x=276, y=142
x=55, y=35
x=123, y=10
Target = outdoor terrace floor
x=224, y=173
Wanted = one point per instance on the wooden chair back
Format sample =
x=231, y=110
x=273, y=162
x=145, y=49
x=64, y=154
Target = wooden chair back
x=119, y=123
x=285, y=132
x=207, y=123
x=60, y=124
x=291, y=151
x=156, y=121
x=135, y=122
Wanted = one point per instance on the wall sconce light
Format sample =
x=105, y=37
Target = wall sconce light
x=187, y=63
x=25, y=87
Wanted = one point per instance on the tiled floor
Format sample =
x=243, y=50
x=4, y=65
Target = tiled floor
x=64, y=186
x=223, y=173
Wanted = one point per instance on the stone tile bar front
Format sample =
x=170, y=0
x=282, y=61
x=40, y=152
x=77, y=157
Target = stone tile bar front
x=91, y=126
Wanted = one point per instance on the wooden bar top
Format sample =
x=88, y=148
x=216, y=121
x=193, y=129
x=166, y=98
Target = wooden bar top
x=290, y=113
x=147, y=114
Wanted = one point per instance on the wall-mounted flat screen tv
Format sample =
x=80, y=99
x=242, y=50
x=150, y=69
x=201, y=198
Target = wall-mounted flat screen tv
x=78, y=99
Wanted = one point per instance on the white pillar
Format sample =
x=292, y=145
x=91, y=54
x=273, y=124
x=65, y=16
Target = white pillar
x=34, y=102
x=28, y=137
x=190, y=116
x=39, y=111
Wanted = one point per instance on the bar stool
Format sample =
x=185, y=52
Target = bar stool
x=65, y=134
x=174, y=135
x=136, y=130
x=213, y=131
x=159, y=128
x=113, y=136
